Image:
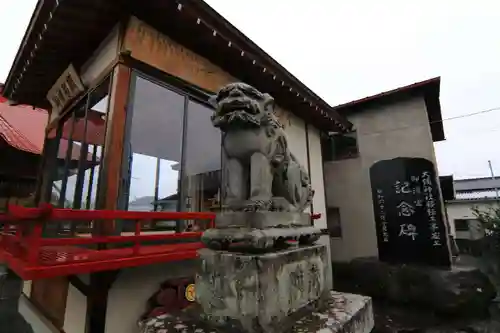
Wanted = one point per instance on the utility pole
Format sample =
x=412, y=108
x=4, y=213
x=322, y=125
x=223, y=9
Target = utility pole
x=493, y=178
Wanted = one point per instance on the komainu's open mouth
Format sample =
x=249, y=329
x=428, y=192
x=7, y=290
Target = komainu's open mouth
x=236, y=106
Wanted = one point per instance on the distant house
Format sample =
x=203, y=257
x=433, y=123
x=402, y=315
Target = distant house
x=147, y=204
x=142, y=204
x=470, y=193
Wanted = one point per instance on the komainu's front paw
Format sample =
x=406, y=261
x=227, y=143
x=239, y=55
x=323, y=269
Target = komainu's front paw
x=256, y=205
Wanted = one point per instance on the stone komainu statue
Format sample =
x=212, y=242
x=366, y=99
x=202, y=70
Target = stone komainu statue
x=259, y=171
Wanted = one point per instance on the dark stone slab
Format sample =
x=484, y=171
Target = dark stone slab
x=464, y=291
x=408, y=212
x=258, y=292
x=340, y=313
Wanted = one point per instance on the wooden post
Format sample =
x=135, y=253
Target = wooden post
x=109, y=188
x=97, y=300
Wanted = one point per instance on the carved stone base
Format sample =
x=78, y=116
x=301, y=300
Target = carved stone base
x=259, y=292
x=262, y=220
x=249, y=239
x=341, y=313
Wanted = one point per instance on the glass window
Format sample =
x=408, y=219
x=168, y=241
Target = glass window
x=461, y=225
x=80, y=151
x=68, y=156
x=172, y=158
x=333, y=222
x=73, y=156
x=154, y=151
x=202, y=151
x=339, y=146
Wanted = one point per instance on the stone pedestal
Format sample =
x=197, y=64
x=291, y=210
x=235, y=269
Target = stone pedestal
x=341, y=313
x=262, y=219
x=259, y=292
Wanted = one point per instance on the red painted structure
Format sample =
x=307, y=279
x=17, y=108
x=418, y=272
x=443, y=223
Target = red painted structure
x=32, y=256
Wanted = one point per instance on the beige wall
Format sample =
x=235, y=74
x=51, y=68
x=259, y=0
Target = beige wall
x=463, y=210
x=397, y=130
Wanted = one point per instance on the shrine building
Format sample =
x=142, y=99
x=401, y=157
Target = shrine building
x=126, y=85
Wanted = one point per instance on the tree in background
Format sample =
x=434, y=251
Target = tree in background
x=490, y=220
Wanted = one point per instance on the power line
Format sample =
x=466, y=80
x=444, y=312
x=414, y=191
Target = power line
x=467, y=134
x=432, y=122
x=467, y=115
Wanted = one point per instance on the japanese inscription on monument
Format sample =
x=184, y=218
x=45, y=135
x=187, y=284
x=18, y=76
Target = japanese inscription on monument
x=408, y=215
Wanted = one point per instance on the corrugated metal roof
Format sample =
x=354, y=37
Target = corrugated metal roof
x=474, y=195
x=23, y=127
x=477, y=184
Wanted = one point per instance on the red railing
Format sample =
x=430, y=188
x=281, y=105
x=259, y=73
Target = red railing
x=31, y=255
x=27, y=250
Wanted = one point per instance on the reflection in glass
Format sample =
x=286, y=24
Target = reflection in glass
x=155, y=147
x=80, y=149
x=203, y=161
x=157, y=155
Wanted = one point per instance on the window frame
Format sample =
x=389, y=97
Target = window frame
x=331, y=155
x=47, y=172
x=337, y=232
x=462, y=220
x=189, y=95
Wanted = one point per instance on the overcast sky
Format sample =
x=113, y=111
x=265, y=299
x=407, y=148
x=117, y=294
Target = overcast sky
x=345, y=50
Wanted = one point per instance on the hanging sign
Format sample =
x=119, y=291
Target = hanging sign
x=67, y=87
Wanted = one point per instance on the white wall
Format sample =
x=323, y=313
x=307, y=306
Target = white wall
x=76, y=310
x=129, y=293
x=102, y=58
x=317, y=178
x=32, y=315
x=463, y=210
x=396, y=130
x=295, y=129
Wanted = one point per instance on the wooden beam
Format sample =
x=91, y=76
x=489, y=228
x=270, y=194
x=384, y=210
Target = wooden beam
x=109, y=188
x=79, y=284
x=97, y=300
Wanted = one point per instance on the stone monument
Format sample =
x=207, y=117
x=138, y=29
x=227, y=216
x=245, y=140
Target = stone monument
x=261, y=266
x=263, y=184
x=261, y=270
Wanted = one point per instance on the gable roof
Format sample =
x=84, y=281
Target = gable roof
x=72, y=30
x=428, y=89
